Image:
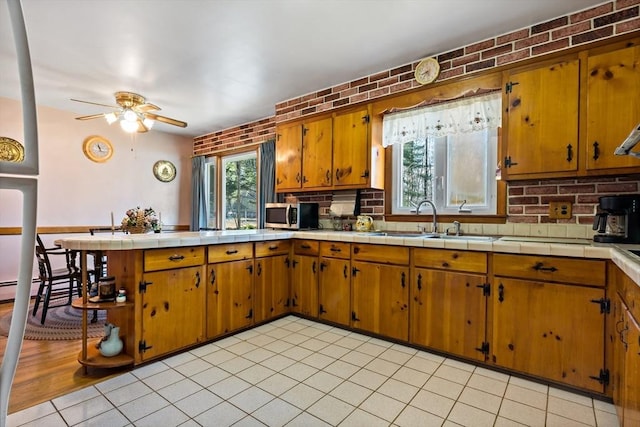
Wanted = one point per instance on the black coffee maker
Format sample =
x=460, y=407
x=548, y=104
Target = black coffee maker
x=618, y=219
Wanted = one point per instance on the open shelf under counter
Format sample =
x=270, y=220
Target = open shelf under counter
x=95, y=359
x=105, y=305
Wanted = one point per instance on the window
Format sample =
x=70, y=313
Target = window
x=233, y=204
x=445, y=153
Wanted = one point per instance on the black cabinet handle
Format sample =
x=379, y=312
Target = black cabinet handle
x=402, y=280
x=345, y=271
x=250, y=269
x=322, y=310
x=540, y=267
x=501, y=292
x=250, y=315
x=176, y=257
x=334, y=249
x=313, y=267
x=322, y=266
x=419, y=282
x=213, y=277
x=273, y=247
x=596, y=150
x=569, y=153
x=354, y=317
x=305, y=246
x=232, y=251
x=259, y=269
x=197, y=279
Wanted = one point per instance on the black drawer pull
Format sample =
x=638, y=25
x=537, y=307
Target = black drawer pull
x=334, y=249
x=176, y=257
x=273, y=248
x=540, y=267
x=305, y=246
x=232, y=251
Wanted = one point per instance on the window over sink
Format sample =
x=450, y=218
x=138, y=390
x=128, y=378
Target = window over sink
x=447, y=153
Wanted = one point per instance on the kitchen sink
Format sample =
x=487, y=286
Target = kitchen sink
x=431, y=236
x=563, y=240
x=635, y=251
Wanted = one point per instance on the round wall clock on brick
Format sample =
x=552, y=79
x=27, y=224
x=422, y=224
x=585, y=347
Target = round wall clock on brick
x=427, y=70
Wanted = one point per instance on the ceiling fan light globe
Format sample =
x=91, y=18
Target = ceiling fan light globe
x=128, y=126
x=148, y=123
x=130, y=116
x=111, y=117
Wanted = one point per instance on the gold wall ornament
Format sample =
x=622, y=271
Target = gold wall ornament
x=11, y=150
x=164, y=170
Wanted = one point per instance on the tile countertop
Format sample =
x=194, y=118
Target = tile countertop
x=578, y=248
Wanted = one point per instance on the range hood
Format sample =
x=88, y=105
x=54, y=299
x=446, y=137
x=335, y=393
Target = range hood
x=629, y=143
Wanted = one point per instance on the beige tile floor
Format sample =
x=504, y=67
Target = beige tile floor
x=295, y=372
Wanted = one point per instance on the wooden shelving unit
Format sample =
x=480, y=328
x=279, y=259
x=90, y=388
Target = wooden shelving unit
x=90, y=355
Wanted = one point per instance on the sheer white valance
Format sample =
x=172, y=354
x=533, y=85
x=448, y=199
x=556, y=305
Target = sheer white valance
x=461, y=116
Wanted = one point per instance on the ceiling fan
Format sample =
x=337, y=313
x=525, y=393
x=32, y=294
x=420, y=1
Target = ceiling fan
x=133, y=112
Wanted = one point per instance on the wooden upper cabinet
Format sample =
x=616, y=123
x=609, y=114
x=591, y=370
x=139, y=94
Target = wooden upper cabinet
x=316, y=153
x=350, y=149
x=613, y=106
x=289, y=157
x=541, y=106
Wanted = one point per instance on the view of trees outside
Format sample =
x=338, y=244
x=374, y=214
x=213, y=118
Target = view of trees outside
x=240, y=191
x=417, y=172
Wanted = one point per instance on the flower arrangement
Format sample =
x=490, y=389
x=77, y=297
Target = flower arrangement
x=140, y=220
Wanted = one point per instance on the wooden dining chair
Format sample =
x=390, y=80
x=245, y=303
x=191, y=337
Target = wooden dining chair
x=56, y=284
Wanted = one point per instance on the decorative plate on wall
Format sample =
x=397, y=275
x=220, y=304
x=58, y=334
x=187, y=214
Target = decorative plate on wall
x=11, y=150
x=164, y=170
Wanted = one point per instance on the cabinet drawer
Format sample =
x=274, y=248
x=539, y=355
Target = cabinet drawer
x=272, y=247
x=164, y=259
x=473, y=262
x=551, y=269
x=380, y=253
x=230, y=252
x=306, y=247
x=335, y=250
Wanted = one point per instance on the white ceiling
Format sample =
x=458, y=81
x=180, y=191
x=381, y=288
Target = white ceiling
x=220, y=63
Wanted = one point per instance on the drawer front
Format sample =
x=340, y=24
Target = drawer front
x=473, y=262
x=551, y=269
x=380, y=253
x=272, y=247
x=230, y=252
x=335, y=250
x=165, y=259
x=306, y=247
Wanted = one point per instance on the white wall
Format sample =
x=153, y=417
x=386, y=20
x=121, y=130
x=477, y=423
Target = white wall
x=72, y=190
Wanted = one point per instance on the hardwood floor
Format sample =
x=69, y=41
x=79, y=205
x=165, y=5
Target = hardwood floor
x=47, y=369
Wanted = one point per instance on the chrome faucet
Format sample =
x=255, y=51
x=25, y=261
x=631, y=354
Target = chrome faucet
x=433, y=208
x=456, y=229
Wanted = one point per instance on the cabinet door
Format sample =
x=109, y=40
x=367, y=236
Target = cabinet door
x=316, y=153
x=617, y=338
x=351, y=149
x=271, y=287
x=304, y=286
x=632, y=373
x=335, y=290
x=380, y=299
x=448, y=312
x=229, y=297
x=542, y=108
x=549, y=330
x=173, y=310
x=289, y=157
x=613, y=107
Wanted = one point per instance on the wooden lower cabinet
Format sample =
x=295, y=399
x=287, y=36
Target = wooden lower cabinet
x=380, y=299
x=448, y=312
x=549, y=330
x=335, y=290
x=625, y=339
x=271, y=286
x=229, y=297
x=304, y=287
x=173, y=310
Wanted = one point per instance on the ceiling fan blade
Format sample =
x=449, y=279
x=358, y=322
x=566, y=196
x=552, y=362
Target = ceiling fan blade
x=93, y=116
x=167, y=120
x=95, y=103
x=143, y=108
x=141, y=127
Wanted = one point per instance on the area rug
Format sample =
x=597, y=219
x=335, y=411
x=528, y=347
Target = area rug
x=62, y=323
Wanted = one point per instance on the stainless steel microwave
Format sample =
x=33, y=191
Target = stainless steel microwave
x=292, y=216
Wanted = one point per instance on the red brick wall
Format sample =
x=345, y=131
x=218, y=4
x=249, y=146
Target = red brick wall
x=527, y=201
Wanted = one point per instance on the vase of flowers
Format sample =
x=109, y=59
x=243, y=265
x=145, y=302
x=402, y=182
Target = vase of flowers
x=139, y=220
